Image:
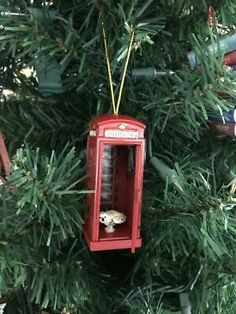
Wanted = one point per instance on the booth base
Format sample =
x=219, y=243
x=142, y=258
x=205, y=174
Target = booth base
x=112, y=244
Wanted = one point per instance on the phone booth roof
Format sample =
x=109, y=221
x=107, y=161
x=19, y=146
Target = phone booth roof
x=121, y=122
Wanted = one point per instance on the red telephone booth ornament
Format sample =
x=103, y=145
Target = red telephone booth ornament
x=4, y=160
x=115, y=163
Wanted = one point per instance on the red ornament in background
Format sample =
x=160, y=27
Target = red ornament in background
x=115, y=164
x=4, y=160
x=230, y=58
x=228, y=128
x=212, y=19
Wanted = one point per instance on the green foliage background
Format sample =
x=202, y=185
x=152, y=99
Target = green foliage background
x=188, y=234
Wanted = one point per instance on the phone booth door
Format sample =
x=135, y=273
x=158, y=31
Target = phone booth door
x=120, y=191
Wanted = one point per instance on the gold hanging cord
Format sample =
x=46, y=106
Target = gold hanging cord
x=124, y=72
x=109, y=68
x=116, y=106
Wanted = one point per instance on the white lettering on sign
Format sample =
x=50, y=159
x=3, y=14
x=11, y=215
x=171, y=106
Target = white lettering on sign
x=92, y=133
x=121, y=133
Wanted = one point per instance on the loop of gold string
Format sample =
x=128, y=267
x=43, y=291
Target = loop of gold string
x=124, y=72
x=116, y=106
x=109, y=69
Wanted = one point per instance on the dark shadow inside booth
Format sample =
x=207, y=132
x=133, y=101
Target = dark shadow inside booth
x=118, y=187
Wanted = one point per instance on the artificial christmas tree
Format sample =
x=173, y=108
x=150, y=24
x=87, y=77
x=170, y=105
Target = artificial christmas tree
x=187, y=259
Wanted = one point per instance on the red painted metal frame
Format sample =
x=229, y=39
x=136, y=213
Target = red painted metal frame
x=4, y=158
x=122, y=238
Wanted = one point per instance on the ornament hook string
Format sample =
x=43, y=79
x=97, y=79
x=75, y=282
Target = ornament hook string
x=116, y=106
x=109, y=68
x=125, y=70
